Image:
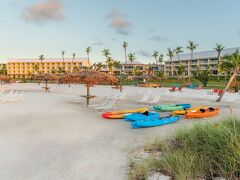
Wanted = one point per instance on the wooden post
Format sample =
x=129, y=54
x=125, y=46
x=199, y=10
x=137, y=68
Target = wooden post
x=121, y=80
x=88, y=93
x=46, y=87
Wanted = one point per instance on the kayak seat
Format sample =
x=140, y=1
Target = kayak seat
x=211, y=109
x=146, y=113
x=202, y=110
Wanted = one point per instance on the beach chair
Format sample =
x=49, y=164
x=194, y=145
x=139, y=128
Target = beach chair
x=179, y=89
x=110, y=106
x=144, y=98
x=173, y=89
x=220, y=92
x=12, y=98
x=155, y=100
x=100, y=105
x=215, y=90
x=108, y=99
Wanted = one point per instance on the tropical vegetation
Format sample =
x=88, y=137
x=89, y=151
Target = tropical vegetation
x=206, y=151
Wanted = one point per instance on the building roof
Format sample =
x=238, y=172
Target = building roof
x=205, y=54
x=132, y=63
x=45, y=60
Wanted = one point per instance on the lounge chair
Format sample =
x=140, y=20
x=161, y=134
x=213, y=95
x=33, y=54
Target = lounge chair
x=109, y=105
x=155, y=100
x=144, y=98
x=12, y=98
x=173, y=89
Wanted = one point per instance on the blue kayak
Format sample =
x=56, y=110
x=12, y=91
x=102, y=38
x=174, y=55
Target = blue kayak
x=149, y=116
x=157, y=122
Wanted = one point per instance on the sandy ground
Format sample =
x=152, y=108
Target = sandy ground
x=48, y=136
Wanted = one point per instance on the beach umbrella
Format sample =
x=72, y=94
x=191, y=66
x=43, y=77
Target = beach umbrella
x=4, y=78
x=45, y=77
x=89, y=78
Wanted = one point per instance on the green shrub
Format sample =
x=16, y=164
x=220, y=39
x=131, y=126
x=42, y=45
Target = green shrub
x=138, y=171
x=204, y=151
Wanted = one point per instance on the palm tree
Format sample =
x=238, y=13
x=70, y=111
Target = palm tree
x=131, y=57
x=230, y=63
x=117, y=64
x=106, y=53
x=125, y=45
x=3, y=70
x=160, y=58
x=170, y=54
x=73, y=57
x=181, y=72
x=88, y=50
x=149, y=69
x=155, y=55
x=219, y=48
x=63, y=54
x=110, y=63
x=178, y=50
x=191, y=46
x=99, y=66
x=136, y=71
x=41, y=58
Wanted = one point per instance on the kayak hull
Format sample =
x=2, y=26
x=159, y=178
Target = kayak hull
x=205, y=114
x=121, y=114
x=154, y=123
x=172, y=107
x=141, y=117
x=184, y=112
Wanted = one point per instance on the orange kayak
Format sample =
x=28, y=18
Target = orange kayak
x=203, y=113
x=121, y=114
x=184, y=112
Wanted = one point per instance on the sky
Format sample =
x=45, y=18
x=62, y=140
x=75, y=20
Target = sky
x=29, y=28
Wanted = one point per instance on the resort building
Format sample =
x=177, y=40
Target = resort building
x=201, y=60
x=24, y=68
x=128, y=67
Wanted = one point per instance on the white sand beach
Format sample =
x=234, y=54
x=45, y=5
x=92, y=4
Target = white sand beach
x=53, y=136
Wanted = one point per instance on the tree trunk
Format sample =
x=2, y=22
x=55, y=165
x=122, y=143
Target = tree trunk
x=88, y=61
x=125, y=51
x=88, y=93
x=121, y=79
x=189, y=76
x=218, y=76
x=227, y=87
x=46, y=87
x=174, y=68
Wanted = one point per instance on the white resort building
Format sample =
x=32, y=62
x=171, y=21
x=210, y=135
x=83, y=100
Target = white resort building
x=202, y=60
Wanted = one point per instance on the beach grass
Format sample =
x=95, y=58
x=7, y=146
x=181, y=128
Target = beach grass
x=202, y=152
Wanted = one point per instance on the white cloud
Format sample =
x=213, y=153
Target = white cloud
x=144, y=53
x=159, y=38
x=50, y=10
x=119, y=22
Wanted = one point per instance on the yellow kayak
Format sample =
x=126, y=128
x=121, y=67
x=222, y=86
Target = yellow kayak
x=121, y=114
x=190, y=110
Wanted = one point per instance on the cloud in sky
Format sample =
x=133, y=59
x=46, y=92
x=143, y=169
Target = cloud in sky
x=159, y=38
x=144, y=54
x=119, y=22
x=2, y=21
x=50, y=10
x=97, y=43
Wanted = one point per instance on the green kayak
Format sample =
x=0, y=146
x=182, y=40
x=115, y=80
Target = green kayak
x=171, y=107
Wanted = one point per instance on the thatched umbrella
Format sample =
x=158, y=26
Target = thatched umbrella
x=89, y=78
x=4, y=78
x=46, y=78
